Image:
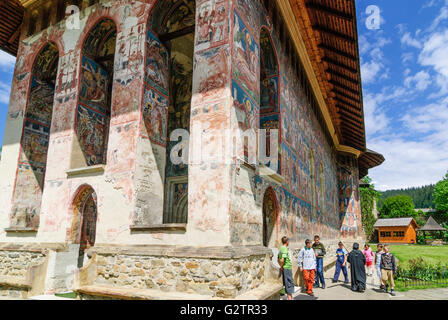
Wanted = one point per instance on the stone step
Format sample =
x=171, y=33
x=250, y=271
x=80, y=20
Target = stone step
x=136, y=294
x=48, y=297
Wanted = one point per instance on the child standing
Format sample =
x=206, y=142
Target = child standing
x=341, y=263
x=378, y=254
x=284, y=260
x=369, y=259
x=307, y=265
x=388, y=269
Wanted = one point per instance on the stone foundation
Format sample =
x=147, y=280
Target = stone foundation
x=16, y=263
x=210, y=277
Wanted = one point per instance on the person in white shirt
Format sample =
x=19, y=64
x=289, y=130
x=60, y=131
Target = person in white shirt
x=307, y=265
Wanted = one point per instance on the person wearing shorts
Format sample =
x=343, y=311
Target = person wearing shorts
x=368, y=254
x=388, y=270
x=284, y=260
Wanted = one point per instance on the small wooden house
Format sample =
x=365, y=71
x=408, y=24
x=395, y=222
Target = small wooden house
x=397, y=230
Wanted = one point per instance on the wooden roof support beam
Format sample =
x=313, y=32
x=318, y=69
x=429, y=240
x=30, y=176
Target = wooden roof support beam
x=344, y=114
x=354, y=130
x=341, y=107
x=351, y=121
x=344, y=87
x=338, y=52
x=343, y=76
x=353, y=134
x=340, y=65
x=334, y=33
x=346, y=96
x=330, y=11
x=344, y=102
x=15, y=35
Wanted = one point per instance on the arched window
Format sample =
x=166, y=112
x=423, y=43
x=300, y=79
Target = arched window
x=85, y=215
x=270, y=215
x=35, y=139
x=269, y=89
x=95, y=96
x=168, y=93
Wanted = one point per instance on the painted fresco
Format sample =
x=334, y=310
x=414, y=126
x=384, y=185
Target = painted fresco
x=213, y=23
x=173, y=15
x=211, y=73
x=157, y=61
x=93, y=115
x=35, y=140
x=269, y=95
x=46, y=65
x=169, y=81
x=155, y=107
x=101, y=42
x=288, y=110
x=348, y=203
x=94, y=85
x=246, y=109
x=95, y=92
x=245, y=58
x=247, y=10
x=181, y=80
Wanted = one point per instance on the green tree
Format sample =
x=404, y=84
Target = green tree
x=441, y=195
x=398, y=207
x=368, y=197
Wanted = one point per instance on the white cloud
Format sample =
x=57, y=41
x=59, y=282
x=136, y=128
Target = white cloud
x=370, y=70
x=409, y=163
x=420, y=155
x=7, y=61
x=372, y=58
x=435, y=54
x=4, y=93
x=442, y=16
x=407, y=39
x=421, y=81
x=407, y=57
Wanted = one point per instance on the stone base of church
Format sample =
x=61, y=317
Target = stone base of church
x=147, y=271
x=224, y=272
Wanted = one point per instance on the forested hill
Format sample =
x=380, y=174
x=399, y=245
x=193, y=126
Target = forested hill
x=422, y=196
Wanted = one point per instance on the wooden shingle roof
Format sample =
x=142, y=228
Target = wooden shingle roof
x=394, y=222
x=432, y=225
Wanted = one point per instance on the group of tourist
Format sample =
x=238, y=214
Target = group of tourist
x=311, y=265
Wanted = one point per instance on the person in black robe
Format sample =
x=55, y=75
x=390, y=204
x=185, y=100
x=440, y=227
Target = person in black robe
x=357, y=268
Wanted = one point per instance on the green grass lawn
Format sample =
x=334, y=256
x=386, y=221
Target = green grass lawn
x=431, y=254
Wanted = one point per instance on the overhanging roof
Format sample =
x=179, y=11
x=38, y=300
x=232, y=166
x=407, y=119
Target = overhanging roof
x=328, y=30
x=11, y=17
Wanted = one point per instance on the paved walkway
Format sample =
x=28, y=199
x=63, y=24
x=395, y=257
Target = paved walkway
x=341, y=291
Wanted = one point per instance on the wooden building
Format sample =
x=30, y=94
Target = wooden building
x=397, y=230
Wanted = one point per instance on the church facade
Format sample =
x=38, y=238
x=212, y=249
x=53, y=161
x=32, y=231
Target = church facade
x=116, y=171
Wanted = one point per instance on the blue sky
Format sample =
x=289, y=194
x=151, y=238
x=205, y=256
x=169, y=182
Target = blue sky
x=405, y=86
x=404, y=68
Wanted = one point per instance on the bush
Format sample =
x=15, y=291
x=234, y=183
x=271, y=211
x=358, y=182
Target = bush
x=421, y=270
